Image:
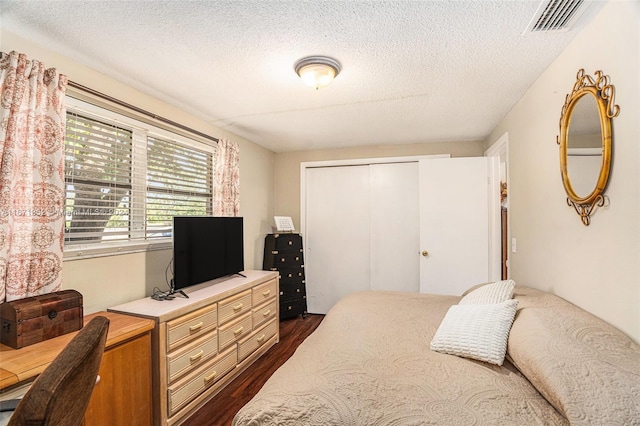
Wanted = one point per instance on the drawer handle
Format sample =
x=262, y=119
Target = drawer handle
x=195, y=357
x=266, y=293
x=261, y=339
x=282, y=260
x=210, y=377
x=267, y=313
x=238, y=307
x=238, y=330
x=196, y=327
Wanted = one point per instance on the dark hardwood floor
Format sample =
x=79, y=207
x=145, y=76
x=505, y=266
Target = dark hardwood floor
x=224, y=406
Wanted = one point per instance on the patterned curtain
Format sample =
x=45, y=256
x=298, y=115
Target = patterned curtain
x=32, y=194
x=226, y=179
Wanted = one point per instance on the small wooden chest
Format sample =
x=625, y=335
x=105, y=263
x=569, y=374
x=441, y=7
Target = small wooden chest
x=34, y=319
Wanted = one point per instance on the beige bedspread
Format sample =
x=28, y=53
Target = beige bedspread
x=369, y=363
x=586, y=368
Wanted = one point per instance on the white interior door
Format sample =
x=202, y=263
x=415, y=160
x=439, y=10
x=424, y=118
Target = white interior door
x=337, y=234
x=395, y=241
x=454, y=223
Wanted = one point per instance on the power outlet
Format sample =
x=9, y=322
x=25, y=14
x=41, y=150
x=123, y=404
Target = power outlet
x=514, y=245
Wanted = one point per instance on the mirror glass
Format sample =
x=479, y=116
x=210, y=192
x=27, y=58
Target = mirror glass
x=584, y=146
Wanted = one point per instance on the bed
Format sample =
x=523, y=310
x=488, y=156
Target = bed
x=370, y=363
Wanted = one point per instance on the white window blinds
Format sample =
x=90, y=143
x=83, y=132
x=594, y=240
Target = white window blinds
x=98, y=179
x=125, y=180
x=179, y=183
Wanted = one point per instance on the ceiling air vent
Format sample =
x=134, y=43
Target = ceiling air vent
x=556, y=15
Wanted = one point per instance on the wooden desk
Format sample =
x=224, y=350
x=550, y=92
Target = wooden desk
x=123, y=395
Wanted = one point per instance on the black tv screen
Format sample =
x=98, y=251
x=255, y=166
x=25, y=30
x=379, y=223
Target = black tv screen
x=206, y=248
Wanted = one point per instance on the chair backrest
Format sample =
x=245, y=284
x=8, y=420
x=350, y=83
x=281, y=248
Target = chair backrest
x=61, y=393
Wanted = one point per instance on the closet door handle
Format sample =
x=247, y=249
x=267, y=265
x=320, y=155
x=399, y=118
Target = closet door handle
x=425, y=253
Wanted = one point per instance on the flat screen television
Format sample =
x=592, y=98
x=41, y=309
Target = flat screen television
x=206, y=248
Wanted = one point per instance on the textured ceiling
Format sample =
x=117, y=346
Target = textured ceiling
x=412, y=71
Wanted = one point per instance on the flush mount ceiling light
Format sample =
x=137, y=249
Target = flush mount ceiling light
x=317, y=71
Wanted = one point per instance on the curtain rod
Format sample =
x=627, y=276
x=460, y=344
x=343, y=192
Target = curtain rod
x=139, y=110
x=134, y=108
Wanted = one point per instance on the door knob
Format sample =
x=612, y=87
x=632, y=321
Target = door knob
x=425, y=253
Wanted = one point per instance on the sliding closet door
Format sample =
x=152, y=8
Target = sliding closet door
x=361, y=231
x=337, y=234
x=395, y=241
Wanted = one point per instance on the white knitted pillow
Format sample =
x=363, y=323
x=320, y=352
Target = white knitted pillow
x=490, y=293
x=476, y=331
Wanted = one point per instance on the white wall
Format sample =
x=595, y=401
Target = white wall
x=596, y=267
x=107, y=281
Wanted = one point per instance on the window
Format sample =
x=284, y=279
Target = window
x=125, y=180
x=98, y=161
x=179, y=183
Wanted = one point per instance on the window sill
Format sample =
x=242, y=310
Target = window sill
x=79, y=252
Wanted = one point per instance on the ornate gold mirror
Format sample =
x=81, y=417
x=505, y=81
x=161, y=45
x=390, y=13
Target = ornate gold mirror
x=585, y=142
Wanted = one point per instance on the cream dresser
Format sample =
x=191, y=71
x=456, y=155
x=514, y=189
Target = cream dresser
x=201, y=343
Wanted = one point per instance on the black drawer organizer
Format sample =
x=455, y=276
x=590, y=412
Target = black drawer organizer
x=283, y=253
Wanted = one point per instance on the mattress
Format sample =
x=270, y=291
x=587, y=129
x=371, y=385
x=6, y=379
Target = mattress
x=369, y=363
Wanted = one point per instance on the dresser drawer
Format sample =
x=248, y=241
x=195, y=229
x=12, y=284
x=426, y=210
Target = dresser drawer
x=291, y=275
x=233, y=307
x=264, y=314
x=285, y=242
x=192, y=326
x=192, y=355
x=247, y=346
x=230, y=333
x=293, y=307
x=263, y=292
x=282, y=259
x=194, y=384
x=292, y=290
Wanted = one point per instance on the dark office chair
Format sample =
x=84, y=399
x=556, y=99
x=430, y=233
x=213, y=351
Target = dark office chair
x=60, y=394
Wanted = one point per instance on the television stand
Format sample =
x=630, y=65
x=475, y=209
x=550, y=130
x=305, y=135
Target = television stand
x=201, y=344
x=173, y=291
x=180, y=292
